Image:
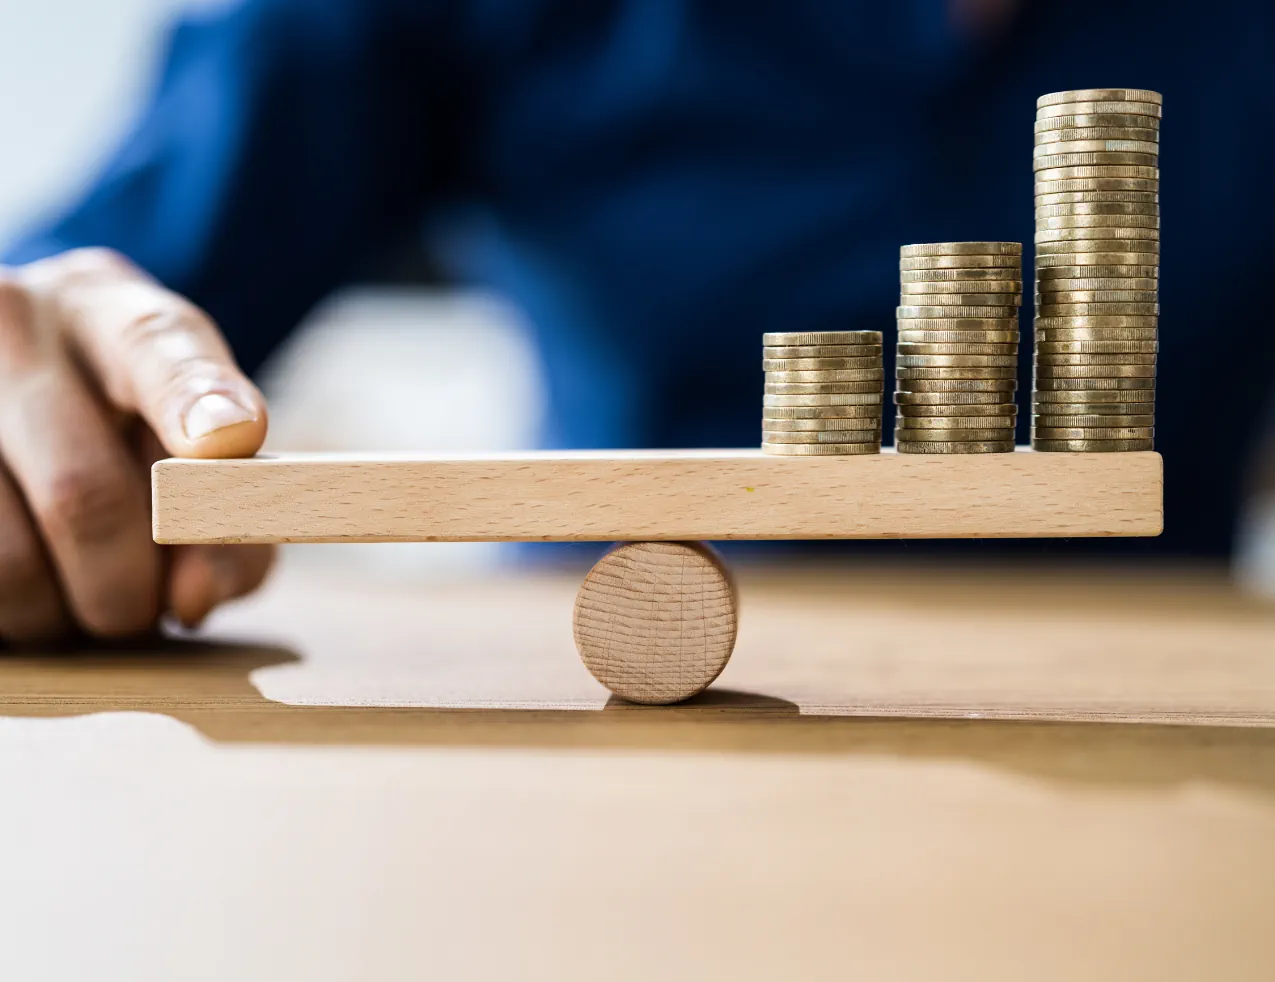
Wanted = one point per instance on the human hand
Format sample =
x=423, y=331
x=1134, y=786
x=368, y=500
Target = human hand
x=103, y=371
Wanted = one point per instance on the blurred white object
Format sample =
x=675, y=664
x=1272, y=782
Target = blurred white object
x=406, y=369
x=1254, y=565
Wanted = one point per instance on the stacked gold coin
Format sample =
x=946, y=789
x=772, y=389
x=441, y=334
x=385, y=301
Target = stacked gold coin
x=1097, y=270
x=823, y=393
x=957, y=365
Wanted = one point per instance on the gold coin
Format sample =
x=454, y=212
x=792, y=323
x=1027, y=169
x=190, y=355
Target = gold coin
x=956, y=361
x=1088, y=233
x=1123, y=107
x=821, y=436
x=1050, y=284
x=820, y=449
x=966, y=300
x=1001, y=273
x=1097, y=334
x=1100, y=95
x=947, y=287
x=1131, y=252
x=1093, y=384
x=837, y=424
x=1101, y=158
x=958, y=337
x=817, y=364
x=1089, y=120
x=1143, y=247
x=1096, y=347
x=1095, y=397
x=1044, y=360
x=1074, y=209
x=986, y=446
x=1088, y=147
x=928, y=400
x=960, y=249
x=992, y=410
x=814, y=414
x=1089, y=422
x=982, y=330
x=1046, y=223
x=1097, y=309
x=1089, y=321
x=797, y=338
x=1093, y=422
x=915, y=435
x=1048, y=273
x=948, y=386
x=1044, y=261
x=1072, y=134
x=822, y=388
x=1093, y=432
x=1082, y=237
x=985, y=372
x=849, y=375
x=961, y=262
x=908, y=348
x=1055, y=297
x=822, y=351
x=1055, y=372
x=1092, y=446
x=1149, y=175
x=1044, y=191
x=1093, y=410
x=948, y=423
x=940, y=312
x=1145, y=199
x=811, y=400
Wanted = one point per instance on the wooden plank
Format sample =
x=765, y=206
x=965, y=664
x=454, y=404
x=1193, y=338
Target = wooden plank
x=668, y=495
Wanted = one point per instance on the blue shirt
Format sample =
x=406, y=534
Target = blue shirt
x=647, y=176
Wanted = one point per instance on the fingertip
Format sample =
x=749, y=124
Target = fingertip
x=192, y=593
x=242, y=439
x=219, y=425
x=202, y=578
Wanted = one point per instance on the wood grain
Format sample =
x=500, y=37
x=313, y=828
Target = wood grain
x=655, y=495
x=655, y=622
x=359, y=779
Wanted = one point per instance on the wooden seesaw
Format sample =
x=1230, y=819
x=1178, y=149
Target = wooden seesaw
x=656, y=619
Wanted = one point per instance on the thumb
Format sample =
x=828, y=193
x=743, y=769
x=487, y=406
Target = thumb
x=153, y=353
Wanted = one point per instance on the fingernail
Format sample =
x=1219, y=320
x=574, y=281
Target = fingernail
x=213, y=412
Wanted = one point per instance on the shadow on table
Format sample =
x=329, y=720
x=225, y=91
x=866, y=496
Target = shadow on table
x=208, y=687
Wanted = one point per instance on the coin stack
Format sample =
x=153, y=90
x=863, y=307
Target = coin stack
x=957, y=366
x=823, y=393
x=1097, y=270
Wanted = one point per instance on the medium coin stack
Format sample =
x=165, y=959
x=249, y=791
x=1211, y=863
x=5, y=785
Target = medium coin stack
x=957, y=366
x=823, y=393
x=1097, y=270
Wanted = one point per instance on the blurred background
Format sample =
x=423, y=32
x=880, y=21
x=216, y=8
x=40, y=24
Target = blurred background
x=386, y=364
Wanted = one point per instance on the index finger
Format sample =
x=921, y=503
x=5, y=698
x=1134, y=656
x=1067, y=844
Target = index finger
x=154, y=353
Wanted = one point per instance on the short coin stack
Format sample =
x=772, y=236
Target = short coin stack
x=823, y=393
x=1097, y=270
x=957, y=367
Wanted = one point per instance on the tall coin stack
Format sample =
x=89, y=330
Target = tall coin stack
x=1097, y=270
x=823, y=393
x=957, y=366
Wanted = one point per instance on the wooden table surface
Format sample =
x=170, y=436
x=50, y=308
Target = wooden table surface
x=352, y=780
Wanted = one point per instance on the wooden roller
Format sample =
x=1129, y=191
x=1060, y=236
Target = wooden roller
x=655, y=622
